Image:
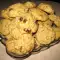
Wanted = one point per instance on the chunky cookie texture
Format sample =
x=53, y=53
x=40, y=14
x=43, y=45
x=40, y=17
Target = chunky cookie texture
x=21, y=46
x=18, y=41
x=28, y=23
x=7, y=27
x=46, y=7
x=4, y=26
x=57, y=31
x=30, y=4
x=28, y=26
x=38, y=14
x=55, y=19
x=14, y=10
x=48, y=22
x=45, y=34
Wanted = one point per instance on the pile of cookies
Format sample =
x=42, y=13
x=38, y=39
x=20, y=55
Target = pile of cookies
x=28, y=26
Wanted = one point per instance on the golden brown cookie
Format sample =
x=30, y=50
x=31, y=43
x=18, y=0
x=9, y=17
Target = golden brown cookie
x=5, y=26
x=57, y=32
x=27, y=23
x=46, y=7
x=45, y=34
x=14, y=10
x=55, y=19
x=38, y=14
x=48, y=22
x=21, y=46
x=29, y=4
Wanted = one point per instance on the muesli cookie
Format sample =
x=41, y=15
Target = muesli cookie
x=44, y=35
x=46, y=7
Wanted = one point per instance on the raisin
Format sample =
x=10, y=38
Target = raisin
x=27, y=30
x=21, y=18
x=24, y=20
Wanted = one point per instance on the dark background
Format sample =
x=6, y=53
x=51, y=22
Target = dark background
x=26, y=0
x=6, y=3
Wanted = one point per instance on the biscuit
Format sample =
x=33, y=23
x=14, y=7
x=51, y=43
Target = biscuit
x=16, y=33
x=55, y=19
x=13, y=28
x=52, y=17
x=45, y=34
x=14, y=10
x=48, y=22
x=29, y=4
x=0, y=25
x=28, y=26
x=27, y=23
x=57, y=32
x=5, y=26
x=46, y=7
x=21, y=46
x=9, y=36
x=38, y=14
x=4, y=14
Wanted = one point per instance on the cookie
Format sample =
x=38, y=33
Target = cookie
x=14, y=10
x=44, y=35
x=5, y=26
x=46, y=7
x=9, y=36
x=29, y=4
x=57, y=32
x=4, y=13
x=22, y=46
x=52, y=17
x=38, y=14
x=27, y=23
x=48, y=22
x=0, y=25
x=55, y=19
x=16, y=33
